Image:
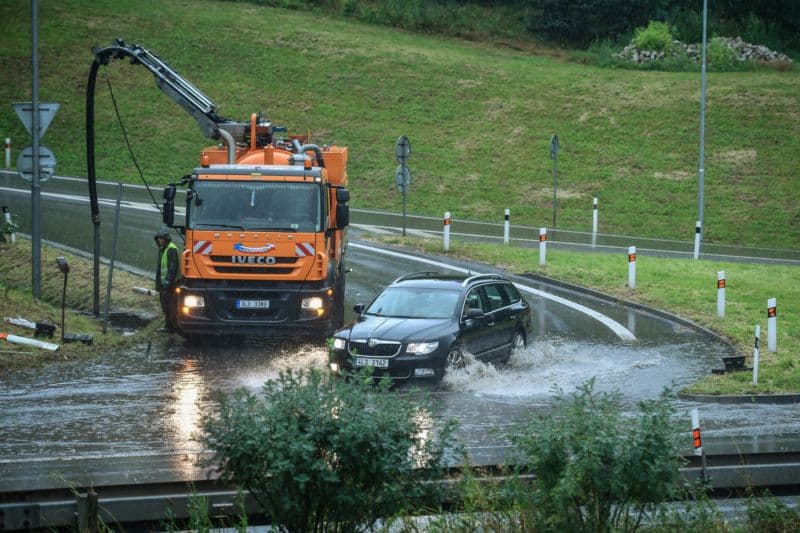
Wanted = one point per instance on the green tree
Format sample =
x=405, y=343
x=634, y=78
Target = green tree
x=326, y=454
x=596, y=469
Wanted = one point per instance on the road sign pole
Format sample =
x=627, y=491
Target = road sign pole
x=404, y=210
x=36, y=228
x=554, y=157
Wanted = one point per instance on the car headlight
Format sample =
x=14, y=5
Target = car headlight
x=421, y=348
x=315, y=302
x=193, y=300
x=339, y=344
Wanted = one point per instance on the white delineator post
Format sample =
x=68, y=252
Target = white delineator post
x=632, y=267
x=506, y=227
x=7, y=216
x=697, y=229
x=446, y=233
x=8, y=152
x=755, y=354
x=772, y=325
x=13, y=339
x=697, y=443
x=542, y=246
x=594, y=222
x=721, y=294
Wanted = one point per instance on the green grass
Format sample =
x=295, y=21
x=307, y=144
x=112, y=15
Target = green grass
x=16, y=301
x=682, y=286
x=479, y=116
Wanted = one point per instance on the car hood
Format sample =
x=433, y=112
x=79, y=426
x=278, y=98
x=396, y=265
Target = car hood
x=397, y=329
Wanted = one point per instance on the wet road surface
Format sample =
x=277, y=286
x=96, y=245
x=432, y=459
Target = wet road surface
x=130, y=418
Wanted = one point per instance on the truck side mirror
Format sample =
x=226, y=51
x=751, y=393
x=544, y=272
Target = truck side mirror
x=169, y=192
x=168, y=213
x=342, y=196
x=342, y=216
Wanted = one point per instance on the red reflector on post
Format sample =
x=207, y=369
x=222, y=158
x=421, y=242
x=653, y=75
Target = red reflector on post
x=542, y=237
x=631, y=258
x=720, y=283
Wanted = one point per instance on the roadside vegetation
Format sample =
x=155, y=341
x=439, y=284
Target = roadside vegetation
x=17, y=301
x=684, y=287
x=321, y=454
x=480, y=113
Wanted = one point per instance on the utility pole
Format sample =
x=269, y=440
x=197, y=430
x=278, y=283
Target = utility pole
x=36, y=226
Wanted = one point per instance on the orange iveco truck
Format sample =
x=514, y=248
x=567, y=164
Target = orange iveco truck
x=265, y=222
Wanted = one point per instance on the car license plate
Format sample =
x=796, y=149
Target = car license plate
x=367, y=361
x=252, y=304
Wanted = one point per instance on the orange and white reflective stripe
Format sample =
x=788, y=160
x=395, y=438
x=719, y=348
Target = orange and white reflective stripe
x=304, y=249
x=202, y=247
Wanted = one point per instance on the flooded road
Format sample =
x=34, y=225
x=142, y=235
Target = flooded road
x=132, y=417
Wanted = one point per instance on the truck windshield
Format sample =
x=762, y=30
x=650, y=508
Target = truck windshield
x=255, y=205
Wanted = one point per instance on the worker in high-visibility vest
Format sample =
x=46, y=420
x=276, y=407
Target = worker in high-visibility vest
x=167, y=278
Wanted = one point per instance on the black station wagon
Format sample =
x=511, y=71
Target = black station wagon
x=423, y=323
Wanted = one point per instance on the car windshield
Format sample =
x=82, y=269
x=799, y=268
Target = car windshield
x=256, y=205
x=414, y=302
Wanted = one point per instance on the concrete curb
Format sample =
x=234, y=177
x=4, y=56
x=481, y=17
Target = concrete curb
x=723, y=399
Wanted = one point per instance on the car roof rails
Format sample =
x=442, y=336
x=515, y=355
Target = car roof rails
x=418, y=275
x=477, y=277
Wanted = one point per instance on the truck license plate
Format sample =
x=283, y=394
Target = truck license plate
x=252, y=304
x=366, y=361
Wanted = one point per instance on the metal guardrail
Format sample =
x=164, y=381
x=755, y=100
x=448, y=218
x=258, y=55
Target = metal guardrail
x=521, y=235
x=143, y=506
x=527, y=236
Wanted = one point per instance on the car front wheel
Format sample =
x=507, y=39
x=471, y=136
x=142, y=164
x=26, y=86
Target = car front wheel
x=455, y=358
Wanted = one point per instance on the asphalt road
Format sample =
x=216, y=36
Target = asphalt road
x=131, y=417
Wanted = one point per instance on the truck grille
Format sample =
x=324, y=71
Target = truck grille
x=379, y=349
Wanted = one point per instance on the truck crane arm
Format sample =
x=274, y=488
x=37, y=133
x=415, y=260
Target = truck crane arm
x=184, y=93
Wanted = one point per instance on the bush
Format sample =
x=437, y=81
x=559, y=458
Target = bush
x=771, y=515
x=596, y=470
x=320, y=453
x=7, y=227
x=656, y=36
x=719, y=56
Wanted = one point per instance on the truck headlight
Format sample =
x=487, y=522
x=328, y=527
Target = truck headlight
x=315, y=302
x=193, y=301
x=421, y=348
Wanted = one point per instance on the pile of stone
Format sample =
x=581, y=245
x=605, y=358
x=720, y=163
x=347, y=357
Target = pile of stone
x=744, y=52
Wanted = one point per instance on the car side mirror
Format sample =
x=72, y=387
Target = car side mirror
x=474, y=312
x=359, y=309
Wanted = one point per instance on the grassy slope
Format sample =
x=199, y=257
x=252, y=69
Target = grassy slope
x=16, y=300
x=685, y=287
x=480, y=117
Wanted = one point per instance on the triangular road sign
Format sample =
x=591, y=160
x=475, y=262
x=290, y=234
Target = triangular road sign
x=47, y=110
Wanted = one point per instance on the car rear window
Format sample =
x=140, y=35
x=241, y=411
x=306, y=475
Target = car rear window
x=512, y=292
x=497, y=296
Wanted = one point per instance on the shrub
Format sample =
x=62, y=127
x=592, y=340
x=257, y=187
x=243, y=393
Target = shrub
x=7, y=227
x=771, y=515
x=656, y=36
x=719, y=56
x=320, y=453
x=596, y=470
